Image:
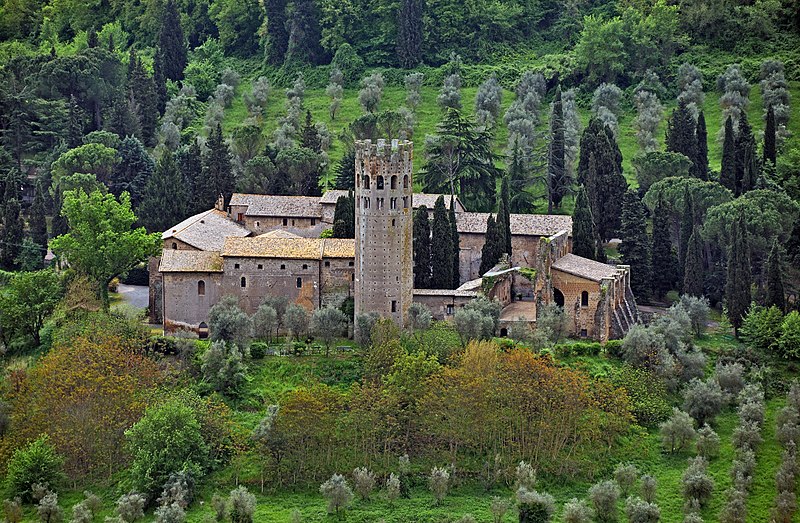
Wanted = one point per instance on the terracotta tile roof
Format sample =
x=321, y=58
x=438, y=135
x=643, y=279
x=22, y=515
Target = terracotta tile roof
x=174, y=260
x=288, y=248
x=521, y=224
x=456, y=293
x=330, y=197
x=471, y=285
x=269, y=205
x=279, y=233
x=584, y=267
x=419, y=199
x=206, y=231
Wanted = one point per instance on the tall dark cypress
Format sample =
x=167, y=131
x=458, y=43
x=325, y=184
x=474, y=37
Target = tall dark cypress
x=171, y=51
x=727, y=173
x=681, y=134
x=142, y=90
x=635, y=247
x=37, y=223
x=160, y=83
x=739, y=278
x=775, y=295
x=133, y=170
x=503, y=233
x=451, y=216
x=190, y=163
x=504, y=213
x=75, y=123
x=11, y=234
x=422, y=249
x=441, y=247
x=770, y=154
x=492, y=246
x=701, y=161
x=409, y=33
x=665, y=266
x=217, y=173
x=557, y=180
x=91, y=38
x=277, y=35
x=687, y=227
x=693, y=268
x=165, y=201
x=747, y=168
x=584, y=233
x=344, y=217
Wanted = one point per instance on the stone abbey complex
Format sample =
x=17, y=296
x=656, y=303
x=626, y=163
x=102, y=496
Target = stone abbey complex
x=262, y=245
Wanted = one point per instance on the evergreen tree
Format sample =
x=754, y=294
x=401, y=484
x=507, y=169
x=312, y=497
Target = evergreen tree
x=190, y=164
x=171, y=52
x=456, y=243
x=687, y=228
x=739, y=279
x=346, y=170
x=584, y=233
x=37, y=222
x=776, y=295
x=91, y=38
x=304, y=35
x=558, y=181
x=11, y=234
x=503, y=234
x=701, y=161
x=693, y=268
x=441, y=247
x=216, y=177
x=747, y=169
x=504, y=214
x=165, y=201
x=344, y=217
x=492, y=246
x=75, y=123
x=522, y=201
x=664, y=263
x=142, y=91
x=123, y=120
x=309, y=137
x=160, y=82
x=770, y=154
x=422, y=249
x=681, y=134
x=133, y=170
x=277, y=36
x=409, y=33
x=635, y=247
x=727, y=173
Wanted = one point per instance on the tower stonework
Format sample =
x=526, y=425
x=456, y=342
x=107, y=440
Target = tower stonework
x=383, y=255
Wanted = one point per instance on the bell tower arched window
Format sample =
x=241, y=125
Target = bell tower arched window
x=201, y=288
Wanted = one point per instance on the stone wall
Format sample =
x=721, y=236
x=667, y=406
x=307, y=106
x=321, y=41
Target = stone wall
x=304, y=227
x=174, y=243
x=298, y=280
x=338, y=280
x=583, y=317
x=184, y=306
x=443, y=305
x=524, y=251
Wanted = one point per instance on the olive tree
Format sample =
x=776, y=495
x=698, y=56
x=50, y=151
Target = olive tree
x=327, y=324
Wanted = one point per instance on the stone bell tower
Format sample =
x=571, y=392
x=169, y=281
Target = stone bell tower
x=384, y=260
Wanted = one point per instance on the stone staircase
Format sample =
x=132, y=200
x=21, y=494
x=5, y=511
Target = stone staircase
x=624, y=316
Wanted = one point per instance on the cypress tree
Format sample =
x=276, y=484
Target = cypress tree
x=133, y=170
x=727, y=174
x=91, y=38
x=557, y=180
x=635, y=247
x=701, y=162
x=504, y=214
x=277, y=35
x=441, y=247
x=776, y=295
x=160, y=82
x=492, y=246
x=503, y=233
x=747, y=170
x=739, y=279
x=681, y=136
x=142, y=91
x=309, y=137
x=693, y=271
x=520, y=179
x=451, y=216
x=409, y=33
x=584, y=234
x=687, y=227
x=74, y=123
x=190, y=163
x=422, y=249
x=346, y=170
x=171, y=52
x=770, y=154
x=216, y=176
x=11, y=234
x=344, y=217
x=165, y=201
x=38, y=217
x=663, y=257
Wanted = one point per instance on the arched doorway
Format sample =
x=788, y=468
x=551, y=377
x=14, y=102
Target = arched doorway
x=202, y=330
x=558, y=297
x=503, y=332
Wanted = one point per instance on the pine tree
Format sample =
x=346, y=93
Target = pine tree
x=216, y=177
x=747, y=169
x=133, y=170
x=727, y=173
x=190, y=164
x=584, y=233
x=504, y=214
x=11, y=234
x=492, y=246
x=165, y=201
x=681, y=137
x=739, y=279
x=422, y=249
x=441, y=247
x=635, y=247
x=451, y=216
x=664, y=261
x=344, y=217
x=346, y=170
x=171, y=51
x=37, y=223
x=277, y=36
x=776, y=295
x=558, y=181
x=693, y=268
x=701, y=161
x=770, y=154
x=409, y=33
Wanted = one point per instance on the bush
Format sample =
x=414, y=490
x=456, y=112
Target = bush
x=626, y=475
x=743, y=468
x=130, y=507
x=730, y=378
x=577, y=511
x=789, y=340
x=12, y=510
x=677, y=432
x=439, y=482
x=604, y=496
x=48, y=509
x=535, y=507
x=735, y=509
x=223, y=368
x=646, y=392
x=640, y=511
x=241, y=505
x=526, y=475
x=698, y=486
x=707, y=444
x=703, y=400
x=220, y=506
x=337, y=492
x=179, y=489
x=171, y=513
x=649, y=486
x=258, y=350
x=392, y=488
x=498, y=508
x=761, y=327
x=614, y=348
x=364, y=482
x=37, y=462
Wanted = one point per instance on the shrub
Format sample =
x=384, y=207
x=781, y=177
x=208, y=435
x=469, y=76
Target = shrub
x=640, y=511
x=81, y=513
x=498, y=508
x=535, y=507
x=48, y=509
x=703, y=400
x=747, y=435
x=785, y=507
x=130, y=507
x=439, y=482
x=743, y=468
x=37, y=462
x=12, y=510
x=789, y=340
x=242, y=505
x=392, y=488
x=752, y=412
x=364, y=482
x=337, y=492
x=698, y=486
x=707, y=444
x=220, y=506
x=649, y=486
x=626, y=475
x=577, y=511
x=223, y=368
x=761, y=327
x=786, y=477
x=677, y=432
x=258, y=350
x=171, y=513
x=526, y=475
x=178, y=489
x=604, y=496
x=735, y=509
x=646, y=392
x=730, y=378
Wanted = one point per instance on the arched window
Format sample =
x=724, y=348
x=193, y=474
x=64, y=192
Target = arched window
x=394, y=182
x=174, y=245
x=379, y=183
x=584, y=299
x=243, y=282
x=201, y=288
x=366, y=181
x=405, y=182
x=299, y=283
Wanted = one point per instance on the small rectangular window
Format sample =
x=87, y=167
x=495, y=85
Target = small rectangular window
x=327, y=264
x=583, y=333
x=260, y=266
x=283, y=267
x=285, y=222
x=313, y=221
x=449, y=310
x=394, y=306
x=235, y=265
x=305, y=266
x=350, y=264
x=299, y=283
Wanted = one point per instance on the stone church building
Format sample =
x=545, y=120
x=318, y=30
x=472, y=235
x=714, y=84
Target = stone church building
x=262, y=245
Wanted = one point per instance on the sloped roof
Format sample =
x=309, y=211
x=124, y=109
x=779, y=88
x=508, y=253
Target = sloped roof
x=279, y=233
x=289, y=248
x=459, y=293
x=206, y=231
x=521, y=224
x=584, y=267
x=174, y=260
x=418, y=199
x=283, y=206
